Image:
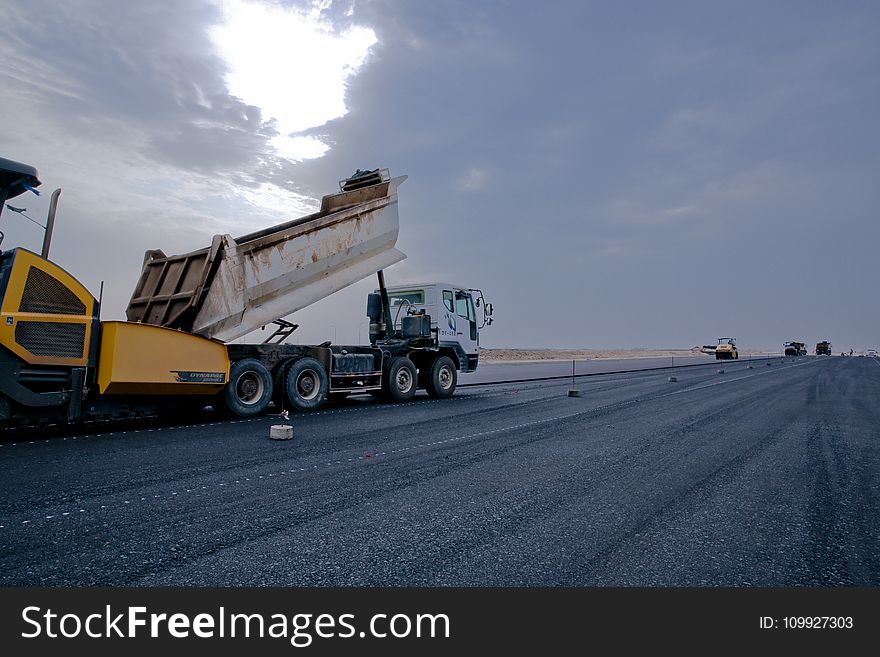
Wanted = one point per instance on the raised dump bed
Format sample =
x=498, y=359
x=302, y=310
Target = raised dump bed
x=238, y=285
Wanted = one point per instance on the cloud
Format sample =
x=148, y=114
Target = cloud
x=293, y=63
x=150, y=76
x=141, y=75
x=127, y=107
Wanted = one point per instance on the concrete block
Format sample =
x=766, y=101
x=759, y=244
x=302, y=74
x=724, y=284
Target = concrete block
x=281, y=432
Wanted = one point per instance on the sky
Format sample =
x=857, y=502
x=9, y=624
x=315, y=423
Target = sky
x=611, y=175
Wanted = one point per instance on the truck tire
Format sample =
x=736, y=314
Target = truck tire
x=307, y=384
x=442, y=378
x=249, y=390
x=399, y=379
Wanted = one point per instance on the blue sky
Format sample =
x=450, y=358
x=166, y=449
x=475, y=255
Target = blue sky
x=610, y=174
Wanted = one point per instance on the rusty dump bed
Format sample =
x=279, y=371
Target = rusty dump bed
x=238, y=285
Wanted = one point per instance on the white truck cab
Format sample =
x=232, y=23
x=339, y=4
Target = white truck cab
x=454, y=316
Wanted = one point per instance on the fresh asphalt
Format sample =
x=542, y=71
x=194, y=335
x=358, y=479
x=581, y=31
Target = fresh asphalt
x=505, y=371
x=766, y=475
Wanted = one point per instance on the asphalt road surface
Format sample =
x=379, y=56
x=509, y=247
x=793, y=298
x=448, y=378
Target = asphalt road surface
x=505, y=371
x=761, y=476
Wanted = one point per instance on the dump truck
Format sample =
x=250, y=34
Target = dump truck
x=726, y=349
x=794, y=349
x=59, y=362
x=823, y=348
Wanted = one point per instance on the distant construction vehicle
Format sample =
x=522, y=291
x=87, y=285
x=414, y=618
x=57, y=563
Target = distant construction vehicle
x=60, y=363
x=726, y=349
x=795, y=349
x=823, y=348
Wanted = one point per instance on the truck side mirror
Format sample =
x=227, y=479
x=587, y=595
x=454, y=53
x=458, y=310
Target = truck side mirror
x=489, y=309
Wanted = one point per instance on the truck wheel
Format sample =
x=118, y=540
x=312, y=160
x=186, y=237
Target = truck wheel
x=306, y=384
x=249, y=390
x=442, y=378
x=399, y=379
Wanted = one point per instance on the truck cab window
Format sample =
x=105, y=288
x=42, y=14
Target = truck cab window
x=447, y=301
x=414, y=297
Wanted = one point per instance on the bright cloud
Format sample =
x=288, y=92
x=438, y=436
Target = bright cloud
x=292, y=64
